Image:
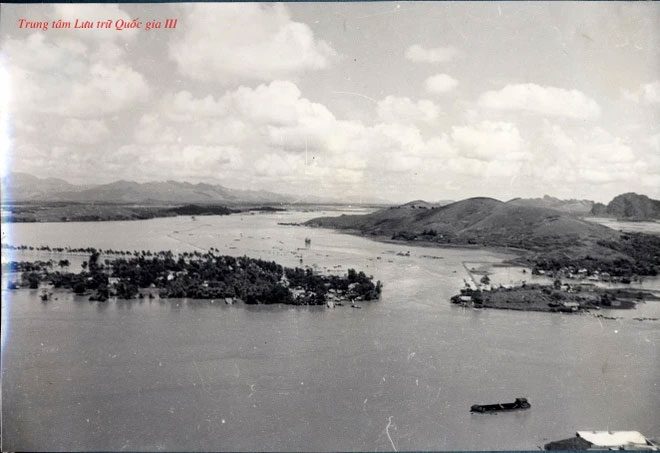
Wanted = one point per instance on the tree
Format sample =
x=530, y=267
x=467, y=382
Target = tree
x=32, y=279
x=485, y=280
x=79, y=287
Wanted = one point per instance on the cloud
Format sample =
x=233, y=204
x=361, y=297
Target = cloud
x=488, y=141
x=654, y=142
x=171, y=161
x=648, y=93
x=419, y=54
x=274, y=113
x=440, y=84
x=587, y=155
x=279, y=103
x=68, y=77
x=394, y=109
x=229, y=43
x=83, y=132
x=285, y=138
x=542, y=100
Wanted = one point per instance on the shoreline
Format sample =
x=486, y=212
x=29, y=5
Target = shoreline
x=425, y=244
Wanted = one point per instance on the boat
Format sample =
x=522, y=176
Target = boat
x=518, y=404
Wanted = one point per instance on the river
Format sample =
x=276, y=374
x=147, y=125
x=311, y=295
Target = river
x=400, y=373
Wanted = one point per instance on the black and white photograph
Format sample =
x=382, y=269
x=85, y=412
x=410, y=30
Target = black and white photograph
x=330, y=226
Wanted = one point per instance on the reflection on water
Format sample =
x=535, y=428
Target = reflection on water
x=182, y=375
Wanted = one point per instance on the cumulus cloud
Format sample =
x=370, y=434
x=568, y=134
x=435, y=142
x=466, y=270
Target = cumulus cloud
x=587, y=155
x=177, y=161
x=488, y=141
x=440, y=84
x=231, y=42
x=83, y=132
x=278, y=103
x=274, y=113
x=654, y=142
x=394, y=109
x=542, y=100
x=286, y=138
x=419, y=54
x=67, y=77
x=648, y=93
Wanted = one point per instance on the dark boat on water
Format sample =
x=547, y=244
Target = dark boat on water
x=518, y=404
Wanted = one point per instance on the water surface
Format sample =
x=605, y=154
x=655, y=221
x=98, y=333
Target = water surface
x=401, y=372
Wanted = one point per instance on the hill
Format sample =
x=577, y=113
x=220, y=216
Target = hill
x=578, y=207
x=473, y=221
x=483, y=221
x=552, y=239
x=629, y=206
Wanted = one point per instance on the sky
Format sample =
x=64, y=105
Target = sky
x=376, y=100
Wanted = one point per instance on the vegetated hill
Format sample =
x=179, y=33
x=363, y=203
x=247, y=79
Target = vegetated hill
x=473, y=221
x=554, y=239
x=629, y=206
x=572, y=206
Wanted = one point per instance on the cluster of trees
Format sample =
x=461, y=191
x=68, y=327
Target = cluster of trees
x=201, y=276
x=29, y=266
x=354, y=285
x=68, y=212
x=644, y=250
x=194, y=209
x=431, y=234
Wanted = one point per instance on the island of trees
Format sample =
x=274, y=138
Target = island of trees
x=197, y=275
x=559, y=297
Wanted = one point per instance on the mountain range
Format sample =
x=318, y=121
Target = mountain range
x=23, y=187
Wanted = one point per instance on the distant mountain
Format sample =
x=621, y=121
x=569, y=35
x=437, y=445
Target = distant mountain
x=474, y=221
x=578, y=207
x=629, y=206
x=30, y=187
x=169, y=192
x=21, y=187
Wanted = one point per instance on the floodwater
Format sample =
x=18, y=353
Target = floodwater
x=648, y=227
x=400, y=373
